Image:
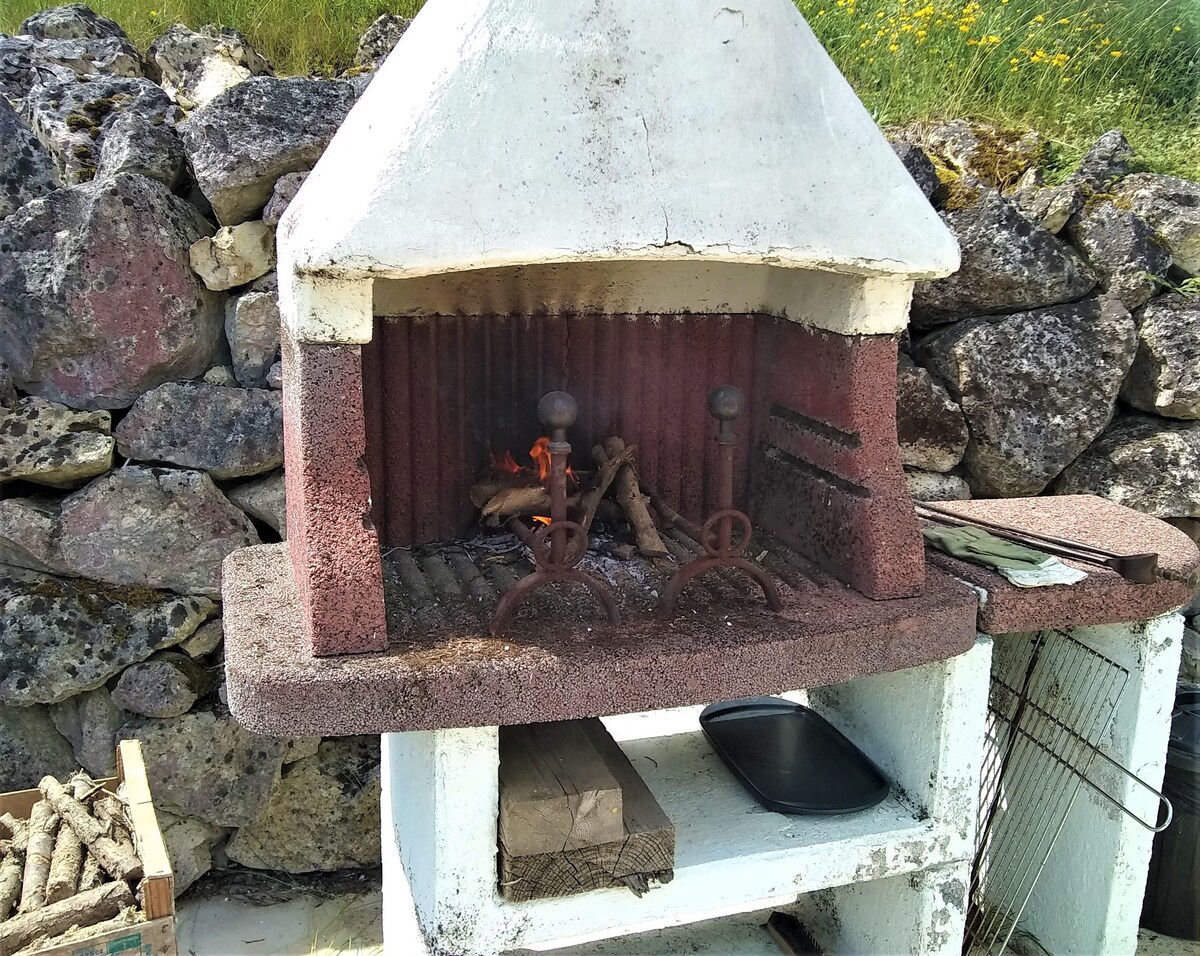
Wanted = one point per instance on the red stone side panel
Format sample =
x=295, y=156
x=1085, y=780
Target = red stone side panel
x=331, y=539
x=826, y=473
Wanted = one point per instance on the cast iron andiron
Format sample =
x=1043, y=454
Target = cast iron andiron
x=559, y=546
x=725, y=403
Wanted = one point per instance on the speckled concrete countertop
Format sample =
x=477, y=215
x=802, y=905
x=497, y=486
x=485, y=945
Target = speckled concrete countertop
x=556, y=670
x=1104, y=597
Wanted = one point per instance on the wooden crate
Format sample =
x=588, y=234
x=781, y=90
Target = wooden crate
x=156, y=935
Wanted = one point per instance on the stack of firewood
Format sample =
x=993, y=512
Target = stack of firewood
x=613, y=490
x=71, y=864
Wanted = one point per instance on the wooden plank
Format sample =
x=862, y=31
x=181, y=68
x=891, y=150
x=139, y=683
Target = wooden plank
x=556, y=792
x=158, y=884
x=153, y=938
x=644, y=852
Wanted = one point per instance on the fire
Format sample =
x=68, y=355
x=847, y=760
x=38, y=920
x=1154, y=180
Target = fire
x=541, y=519
x=541, y=457
x=505, y=464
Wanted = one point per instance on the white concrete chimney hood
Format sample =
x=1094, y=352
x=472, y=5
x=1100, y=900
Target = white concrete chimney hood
x=611, y=155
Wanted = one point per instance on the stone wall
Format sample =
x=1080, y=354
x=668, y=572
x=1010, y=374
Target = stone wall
x=140, y=433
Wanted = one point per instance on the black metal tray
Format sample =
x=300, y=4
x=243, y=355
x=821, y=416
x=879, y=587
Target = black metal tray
x=791, y=759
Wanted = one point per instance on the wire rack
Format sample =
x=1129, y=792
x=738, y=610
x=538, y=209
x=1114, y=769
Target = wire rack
x=1052, y=701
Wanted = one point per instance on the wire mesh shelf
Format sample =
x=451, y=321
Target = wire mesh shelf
x=1051, y=703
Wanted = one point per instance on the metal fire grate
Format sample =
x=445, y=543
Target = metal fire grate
x=1052, y=701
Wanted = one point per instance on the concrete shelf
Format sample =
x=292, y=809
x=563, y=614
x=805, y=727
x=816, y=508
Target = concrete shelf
x=908, y=857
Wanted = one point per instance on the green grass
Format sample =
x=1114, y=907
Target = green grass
x=297, y=36
x=1070, y=68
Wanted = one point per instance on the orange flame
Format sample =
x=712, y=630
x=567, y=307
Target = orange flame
x=505, y=464
x=541, y=457
x=541, y=519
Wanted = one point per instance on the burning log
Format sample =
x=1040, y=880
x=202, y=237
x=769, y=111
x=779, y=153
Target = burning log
x=43, y=825
x=13, y=865
x=115, y=858
x=629, y=495
x=523, y=500
x=83, y=909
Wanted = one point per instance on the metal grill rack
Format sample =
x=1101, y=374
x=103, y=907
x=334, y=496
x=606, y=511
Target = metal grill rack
x=1051, y=703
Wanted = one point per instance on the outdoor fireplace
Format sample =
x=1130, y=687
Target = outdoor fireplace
x=643, y=240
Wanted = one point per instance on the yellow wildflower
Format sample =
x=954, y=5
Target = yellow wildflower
x=894, y=47
x=1038, y=19
x=1065, y=21
x=1115, y=53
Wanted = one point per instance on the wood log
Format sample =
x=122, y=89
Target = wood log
x=645, y=852
x=484, y=491
x=83, y=909
x=556, y=792
x=13, y=867
x=43, y=825
x=115, y=859
x=110, y=810
x=91, y=874
x=629, y=495
x=589, y=501
x=63, y=879
x=524, y=500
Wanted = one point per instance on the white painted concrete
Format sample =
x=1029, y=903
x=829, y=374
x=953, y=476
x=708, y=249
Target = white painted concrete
x=1089, y=897
x=923, y=725
x=507, y=133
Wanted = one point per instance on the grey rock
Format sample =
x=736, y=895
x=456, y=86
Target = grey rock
x=208, y=638
x=222, y=376
x=197, y=65
x=17, y=74
x=1108, y=160
x=929, y=423
x=242, y=141
x=54, y=445
x=8, y=392
x=285, y=191
x=1171, y=207
x=275, y=376
x=920, y=167
x=97, y=303
x=1050, y=207
x=1122, y=249
x=300, y=747
x=190, y=844
x=208, y=766
x=29, y=535
x=30, y=748
x=59, y=637
x=379, y=39
x=981, y=153
x=155, y=527
x=252, y=325
x=26, y=170
x=71, y=21
x=90, y=721
x=263, y=499
x=228, y=432
x=166, y=685
x=1145, y=463
x=324, y=815
x=1008, y=264
x=72, y=119
x=932, y=486
x=1036, y=388
x=235, y=256
x=1165, y=377
x=151, y=527
x=137, y=145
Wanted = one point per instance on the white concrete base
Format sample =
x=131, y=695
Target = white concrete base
x=902, y=866
x=1089, y=897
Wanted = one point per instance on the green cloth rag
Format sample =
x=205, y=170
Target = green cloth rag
x=979, y=547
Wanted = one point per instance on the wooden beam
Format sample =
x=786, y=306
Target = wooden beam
x=556, y=793
x=644, y=852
